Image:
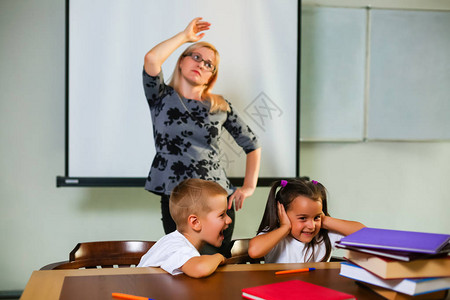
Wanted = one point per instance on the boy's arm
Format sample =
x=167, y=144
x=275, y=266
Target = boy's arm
x=203, y=265
x=340, y=226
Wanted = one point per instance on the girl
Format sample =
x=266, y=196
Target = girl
x=188, y=121
x=296, y=226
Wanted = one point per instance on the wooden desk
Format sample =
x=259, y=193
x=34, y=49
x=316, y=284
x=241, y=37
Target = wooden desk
x=225, y=283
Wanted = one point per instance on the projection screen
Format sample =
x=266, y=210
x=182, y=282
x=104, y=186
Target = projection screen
x=108, y=128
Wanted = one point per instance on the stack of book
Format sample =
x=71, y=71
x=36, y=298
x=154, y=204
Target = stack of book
x=398, y=264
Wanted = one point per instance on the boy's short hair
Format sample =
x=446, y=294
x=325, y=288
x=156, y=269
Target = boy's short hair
x=190, y=197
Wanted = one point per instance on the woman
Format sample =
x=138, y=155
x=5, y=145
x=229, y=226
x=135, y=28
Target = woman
x=188, y=121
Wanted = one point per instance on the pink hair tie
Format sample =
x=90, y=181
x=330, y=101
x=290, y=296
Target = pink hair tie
x=283, y=183
x=314, y=182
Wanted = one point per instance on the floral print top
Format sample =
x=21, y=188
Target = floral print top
x=187, y=138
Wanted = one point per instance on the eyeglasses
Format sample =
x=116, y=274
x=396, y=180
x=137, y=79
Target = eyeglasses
x=206, y=63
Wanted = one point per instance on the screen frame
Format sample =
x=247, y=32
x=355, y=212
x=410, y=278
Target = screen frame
x=71, y=181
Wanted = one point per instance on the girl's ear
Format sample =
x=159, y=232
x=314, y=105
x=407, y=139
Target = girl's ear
x=194, y=223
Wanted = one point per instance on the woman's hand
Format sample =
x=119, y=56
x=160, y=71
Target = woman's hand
x=239, y=196
x=194, y=27
x=158, y=54
x=283, y=217
x=252, y=161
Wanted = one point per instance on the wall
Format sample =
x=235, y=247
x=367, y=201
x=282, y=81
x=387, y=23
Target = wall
x=390, y=185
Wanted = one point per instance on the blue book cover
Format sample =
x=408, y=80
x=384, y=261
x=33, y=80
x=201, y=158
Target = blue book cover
x=398, y=240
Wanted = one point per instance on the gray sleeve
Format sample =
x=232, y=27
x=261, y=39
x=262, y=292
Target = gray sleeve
x=241, y=132
x=154, y=87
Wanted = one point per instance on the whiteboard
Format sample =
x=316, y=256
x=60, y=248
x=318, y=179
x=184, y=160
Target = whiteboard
x=332, y=74
x=374, y=74
x=109, y=124
x=410, y=75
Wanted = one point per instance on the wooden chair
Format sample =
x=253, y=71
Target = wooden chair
x=110, y=254
x=106, y=254
x=239, y=253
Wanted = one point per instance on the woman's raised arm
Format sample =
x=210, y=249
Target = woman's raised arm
x=158, y=54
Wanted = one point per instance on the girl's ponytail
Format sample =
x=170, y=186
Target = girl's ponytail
x=270, y=218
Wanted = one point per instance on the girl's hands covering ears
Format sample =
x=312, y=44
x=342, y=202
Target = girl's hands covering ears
x=283, y=217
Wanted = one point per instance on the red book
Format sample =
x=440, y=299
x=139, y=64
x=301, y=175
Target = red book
x=293, y=289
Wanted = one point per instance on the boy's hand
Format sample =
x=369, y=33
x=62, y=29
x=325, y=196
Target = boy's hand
x=224, y=259
x=203, y=265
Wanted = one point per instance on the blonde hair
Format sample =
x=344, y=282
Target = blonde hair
x=218, y=103
x=190, y=197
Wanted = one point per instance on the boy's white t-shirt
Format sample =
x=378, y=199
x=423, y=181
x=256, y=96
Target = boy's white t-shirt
x=170, y=253
x=290, y=250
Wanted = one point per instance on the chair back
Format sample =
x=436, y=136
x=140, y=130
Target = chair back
x=104, y=254
x=239, y=253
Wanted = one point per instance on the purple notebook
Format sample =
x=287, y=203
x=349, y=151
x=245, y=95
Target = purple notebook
x=398, y=240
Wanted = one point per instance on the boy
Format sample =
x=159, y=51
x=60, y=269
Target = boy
x=198, y=208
